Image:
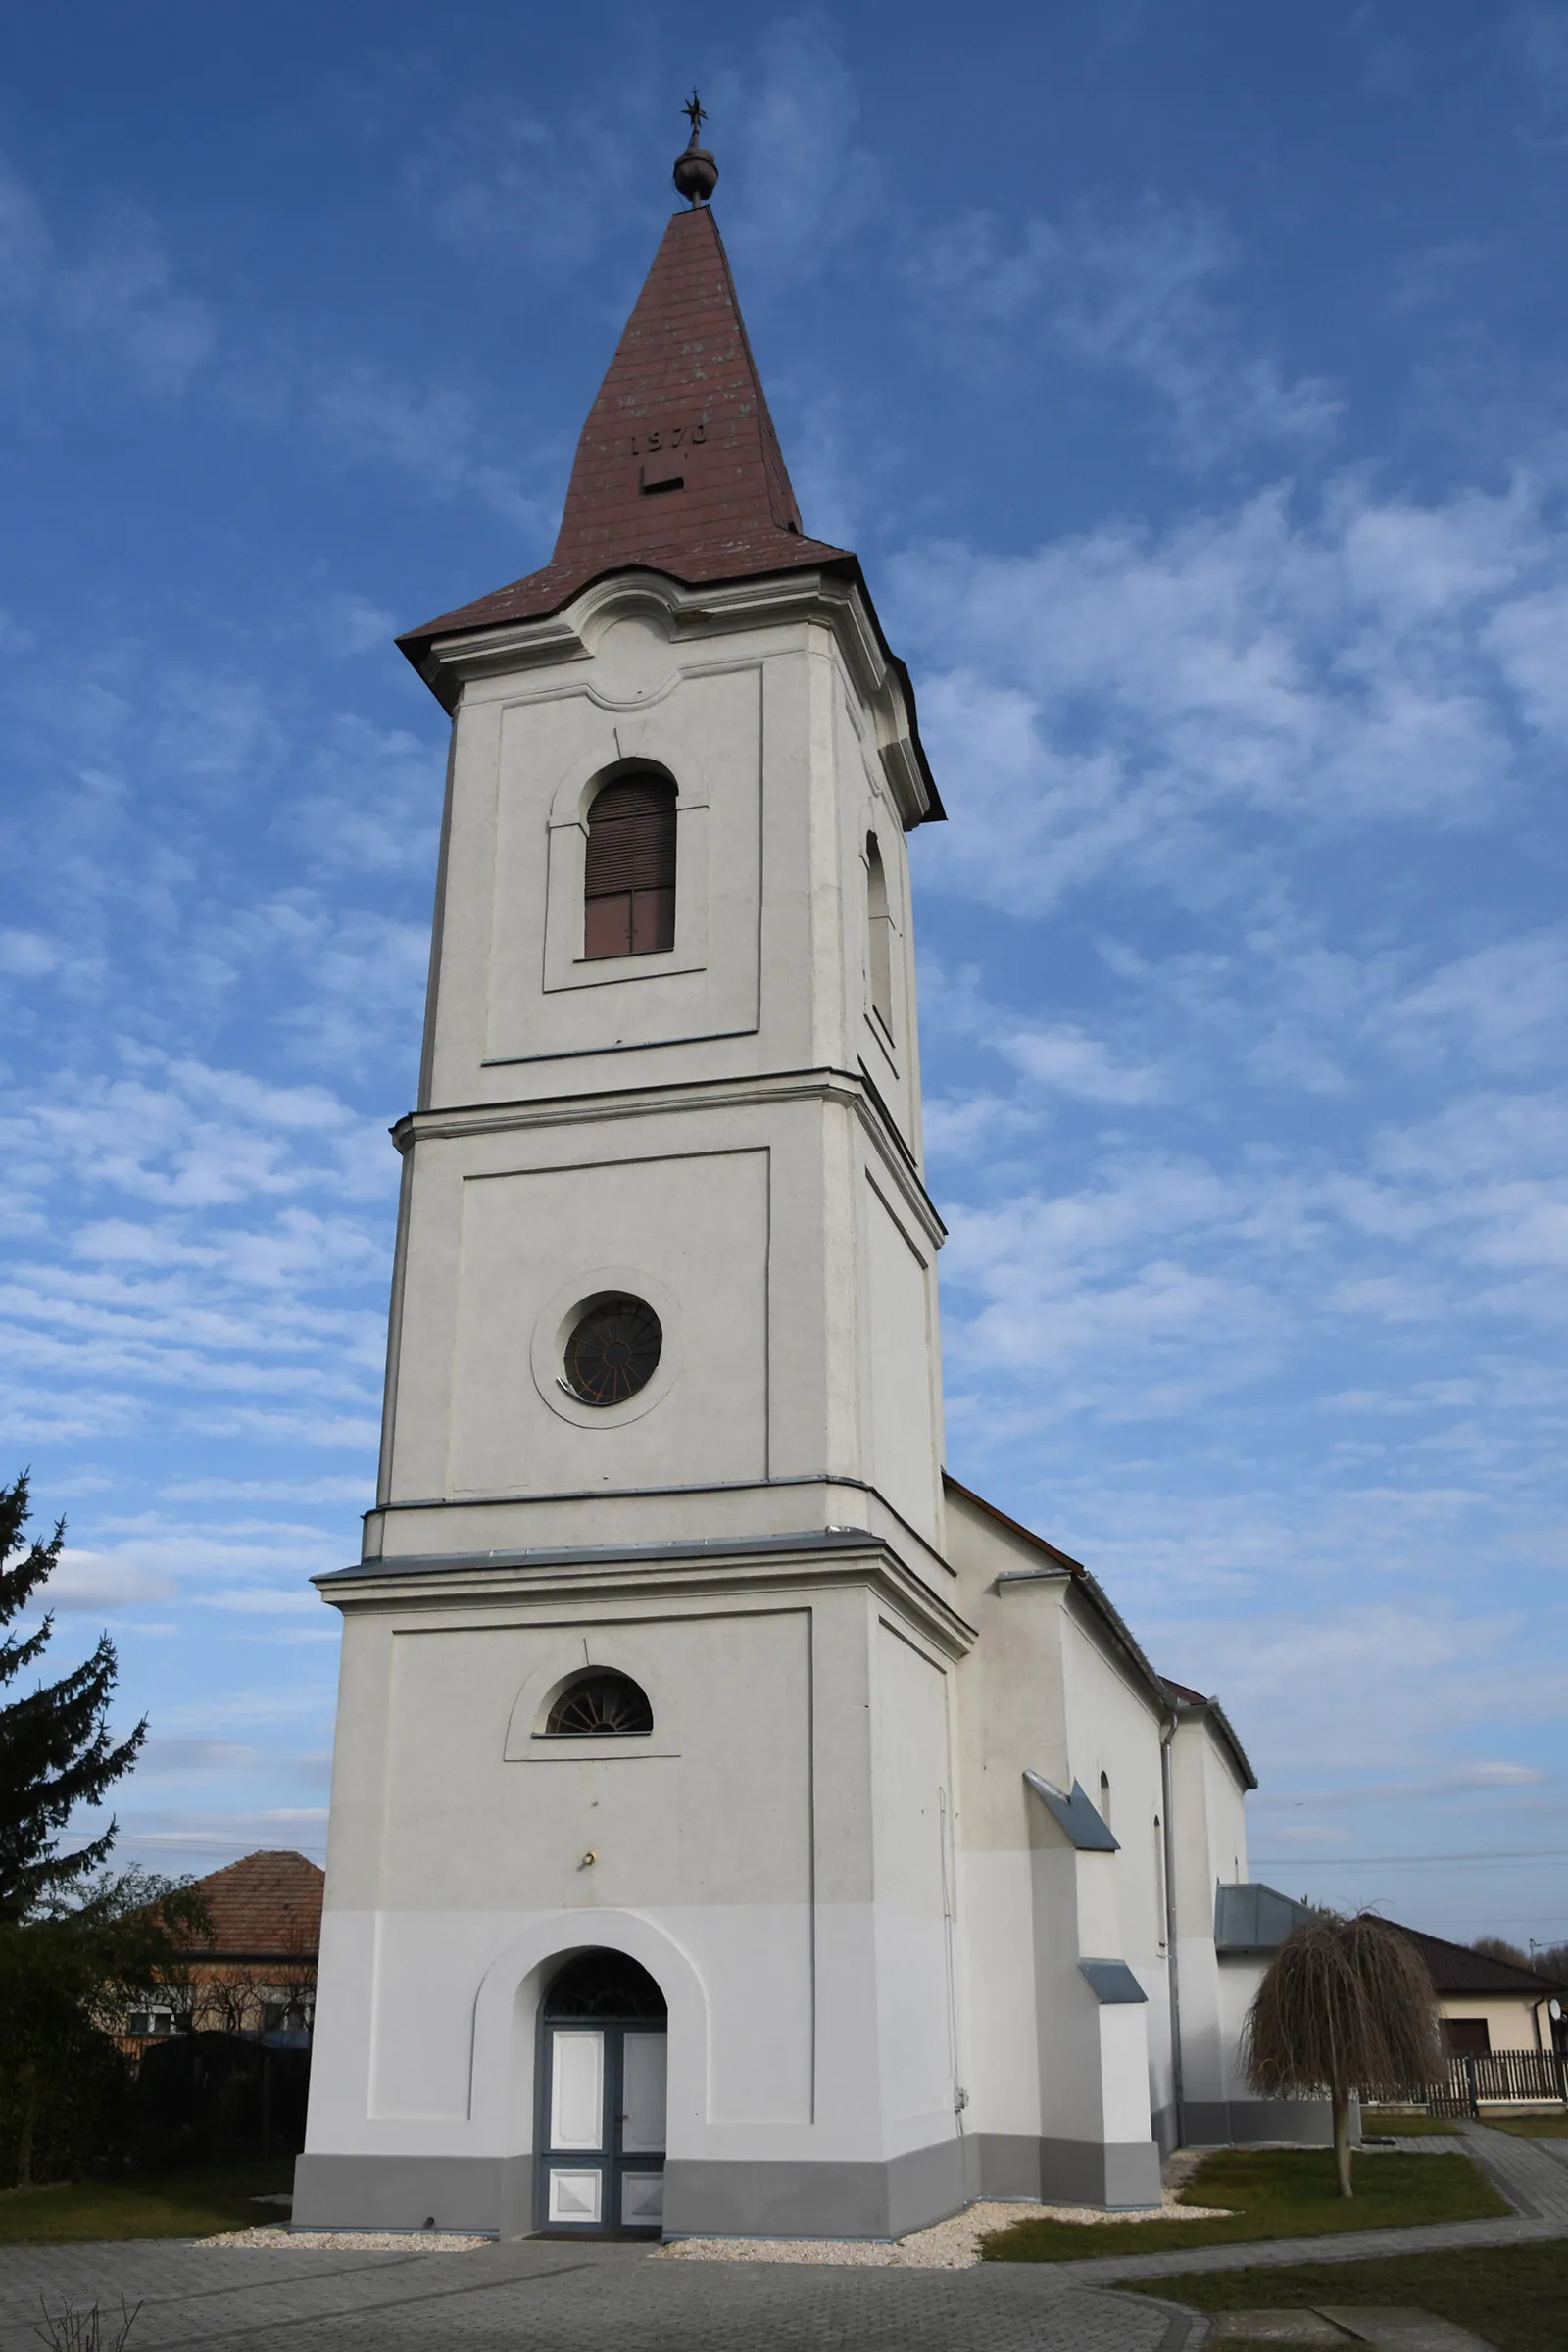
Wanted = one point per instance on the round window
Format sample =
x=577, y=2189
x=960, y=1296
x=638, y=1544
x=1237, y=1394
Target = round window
x=614, y=1351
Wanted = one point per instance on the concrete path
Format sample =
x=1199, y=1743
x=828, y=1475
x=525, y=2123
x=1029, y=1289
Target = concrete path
x=1532, y=2174
x=542, y=2296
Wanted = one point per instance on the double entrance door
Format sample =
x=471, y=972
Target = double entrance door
x=602, y=2127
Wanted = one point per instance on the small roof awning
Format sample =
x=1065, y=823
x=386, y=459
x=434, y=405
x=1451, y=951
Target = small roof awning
x=1112, y=1982
x=1083, y=1823
x=1253, y=1918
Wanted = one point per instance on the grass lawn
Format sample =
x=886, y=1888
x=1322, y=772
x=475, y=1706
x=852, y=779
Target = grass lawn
x=1404, y=2122
x=1515, y=2298
x=1273, y=2192
x=188, y=2204
x=1553, y=2125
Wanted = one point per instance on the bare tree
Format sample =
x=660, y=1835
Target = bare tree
x=1346, y=2007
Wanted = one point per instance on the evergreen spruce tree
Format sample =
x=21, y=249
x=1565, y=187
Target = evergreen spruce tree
x=55, y=1748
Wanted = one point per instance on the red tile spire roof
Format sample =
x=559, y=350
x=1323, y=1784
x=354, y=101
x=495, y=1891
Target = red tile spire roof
x=678, y=468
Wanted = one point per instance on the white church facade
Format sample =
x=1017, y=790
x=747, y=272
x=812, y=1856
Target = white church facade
x=737, y=1825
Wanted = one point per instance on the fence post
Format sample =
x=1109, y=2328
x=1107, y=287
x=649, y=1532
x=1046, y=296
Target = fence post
x=1470, y=2087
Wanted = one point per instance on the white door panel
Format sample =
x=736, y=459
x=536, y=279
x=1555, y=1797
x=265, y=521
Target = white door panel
x=642, y=2130
x=576, y=2087
x=642, y=2199
x=574, y=2196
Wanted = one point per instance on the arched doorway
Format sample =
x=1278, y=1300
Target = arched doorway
x=603, y=2032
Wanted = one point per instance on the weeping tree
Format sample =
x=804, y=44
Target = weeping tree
x=1345, y=2008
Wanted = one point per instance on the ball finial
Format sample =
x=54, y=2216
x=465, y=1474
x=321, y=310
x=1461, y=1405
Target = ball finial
x=696, y=173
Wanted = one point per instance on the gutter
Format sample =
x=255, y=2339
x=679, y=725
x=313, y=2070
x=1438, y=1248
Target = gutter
x=1172, y=1966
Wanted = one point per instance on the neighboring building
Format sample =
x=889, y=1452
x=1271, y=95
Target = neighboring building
x=737, y=1825
x=1484, y=2004
x=256, y=1973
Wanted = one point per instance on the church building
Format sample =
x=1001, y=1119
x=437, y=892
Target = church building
x=738, y=1826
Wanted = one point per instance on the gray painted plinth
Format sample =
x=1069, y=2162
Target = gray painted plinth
x=1226, y=2123
x=702, y=2199
x=493, y=2194
x=819, y=2200
x=1125, y=2176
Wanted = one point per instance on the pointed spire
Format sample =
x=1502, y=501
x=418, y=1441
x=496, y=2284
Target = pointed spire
x=678, y=469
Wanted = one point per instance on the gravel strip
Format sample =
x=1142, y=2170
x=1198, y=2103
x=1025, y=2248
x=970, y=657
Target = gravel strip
x=351, y=2241
x=950, y=2245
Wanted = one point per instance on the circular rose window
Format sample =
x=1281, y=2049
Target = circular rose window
x=614, y=1351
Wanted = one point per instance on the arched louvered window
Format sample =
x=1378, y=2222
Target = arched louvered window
x=599, y=1705
x=629, y=888
x=881, y=935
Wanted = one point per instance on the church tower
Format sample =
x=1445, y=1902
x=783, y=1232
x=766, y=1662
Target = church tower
x=640, y=1903
x=738, y=1826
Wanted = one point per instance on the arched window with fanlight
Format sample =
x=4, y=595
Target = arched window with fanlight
x=879, y=955
x=629, y=881
x=600, y=1705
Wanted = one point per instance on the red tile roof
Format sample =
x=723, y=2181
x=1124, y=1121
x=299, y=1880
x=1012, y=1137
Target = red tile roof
x=678, y=468
x=267, y=1906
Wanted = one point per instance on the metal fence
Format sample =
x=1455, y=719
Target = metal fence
x=1512, y=2078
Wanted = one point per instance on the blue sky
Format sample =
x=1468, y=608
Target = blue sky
x=1192, y=381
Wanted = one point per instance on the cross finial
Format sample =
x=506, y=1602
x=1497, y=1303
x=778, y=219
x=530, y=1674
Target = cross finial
x=696, y=173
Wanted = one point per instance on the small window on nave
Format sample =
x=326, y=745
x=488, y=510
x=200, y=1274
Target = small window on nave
x=1105, y=1798
x=880, y=944
x=629, y=881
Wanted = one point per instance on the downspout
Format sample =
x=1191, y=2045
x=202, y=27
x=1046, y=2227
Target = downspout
x=1172, y=1969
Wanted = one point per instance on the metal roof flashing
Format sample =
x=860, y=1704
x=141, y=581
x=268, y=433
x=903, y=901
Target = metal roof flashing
x=1076, y=1813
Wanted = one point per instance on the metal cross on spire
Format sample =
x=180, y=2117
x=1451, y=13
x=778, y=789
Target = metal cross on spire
x=696, y=173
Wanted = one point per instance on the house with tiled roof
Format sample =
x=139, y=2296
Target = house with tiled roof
x=253, y=1970
x=1485, y=2003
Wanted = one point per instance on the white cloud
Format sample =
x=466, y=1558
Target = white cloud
x=1116, y=708
x=92, y=1581
x=28, y=953
x=1126, y=293
x=160, y=1757
x=799, y=185
x=105, y=294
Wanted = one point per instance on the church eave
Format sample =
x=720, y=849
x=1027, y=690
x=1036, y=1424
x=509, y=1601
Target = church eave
x=834, y=1556
x=823, y=579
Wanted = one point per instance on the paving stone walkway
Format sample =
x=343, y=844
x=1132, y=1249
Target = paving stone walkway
x=540, y=2296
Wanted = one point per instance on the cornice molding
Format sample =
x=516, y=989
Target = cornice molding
x=767, y=1567
x=811, y=598
x=850, y=1088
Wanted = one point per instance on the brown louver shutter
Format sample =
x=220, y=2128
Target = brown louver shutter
x=629, y=885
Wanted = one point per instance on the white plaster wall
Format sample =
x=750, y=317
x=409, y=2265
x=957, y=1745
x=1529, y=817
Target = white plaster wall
x=776, y=742
x=1043, y=1690
x=1211, y=1851
x=902, y=1358
x=549, y=1151
x=911, y=1867
x=776, y=1847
